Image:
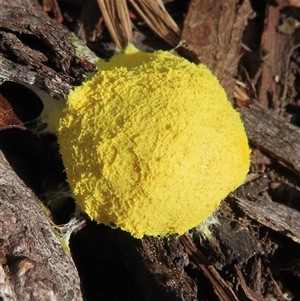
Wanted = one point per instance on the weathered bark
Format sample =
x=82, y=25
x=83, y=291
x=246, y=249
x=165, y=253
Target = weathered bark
x=273, y=215
x=273, y=135
x=280, y=39
x=34, y=264
x=38, y=54
x=213, y=31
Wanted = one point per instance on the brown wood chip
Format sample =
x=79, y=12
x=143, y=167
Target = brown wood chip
x=273, y=215
x=272, y=134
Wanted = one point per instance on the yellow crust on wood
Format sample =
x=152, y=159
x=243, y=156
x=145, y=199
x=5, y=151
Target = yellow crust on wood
x=151, y=144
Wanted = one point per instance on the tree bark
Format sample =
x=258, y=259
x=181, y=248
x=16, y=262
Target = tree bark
x=34, y=264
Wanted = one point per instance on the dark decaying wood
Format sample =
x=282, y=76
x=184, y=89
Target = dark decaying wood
x=159, y=268
x=249, y=293
x=219, y=286
x=34, y=265
x=36, y=53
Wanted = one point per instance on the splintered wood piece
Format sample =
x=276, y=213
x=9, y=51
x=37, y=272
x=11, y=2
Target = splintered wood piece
x=153, y=13
x=273, y=215
x=52, y=6
x=158, y=19
x=213, y=31
x=223, y=290
x=33, y=261
x=273, y=135
x=249, y=293
x=116, y=16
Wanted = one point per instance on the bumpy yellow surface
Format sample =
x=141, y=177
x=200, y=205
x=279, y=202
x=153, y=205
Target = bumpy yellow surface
x=151, y=144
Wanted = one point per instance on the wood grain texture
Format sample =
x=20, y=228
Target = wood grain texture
x=276, y=43
x=275, y=216
x=35, y=52
x=213, y=31
x=272, y=134
x=34, y=265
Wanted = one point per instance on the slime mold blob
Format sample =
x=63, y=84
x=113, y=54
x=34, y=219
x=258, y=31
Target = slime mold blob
x=150, y=143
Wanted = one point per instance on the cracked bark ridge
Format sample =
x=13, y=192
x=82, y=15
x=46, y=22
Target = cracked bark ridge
x=35, y=52
x=33, y=263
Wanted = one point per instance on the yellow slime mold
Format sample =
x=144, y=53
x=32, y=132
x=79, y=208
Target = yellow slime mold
x=151, y=144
